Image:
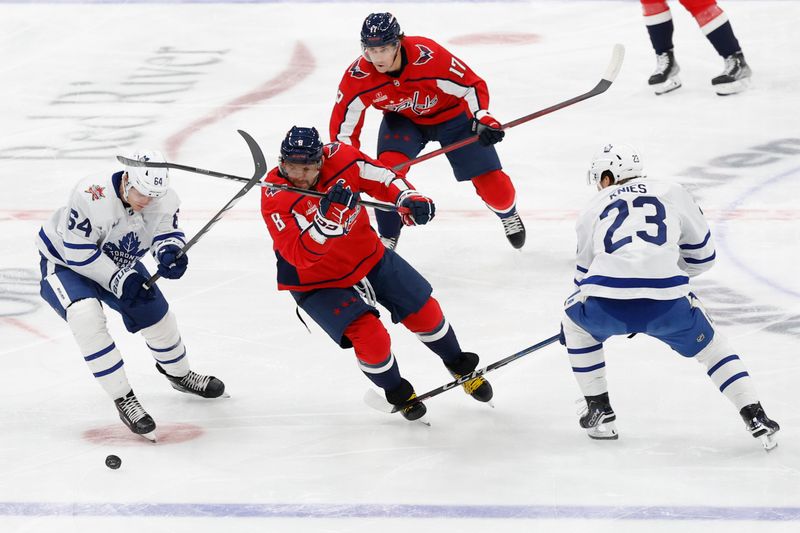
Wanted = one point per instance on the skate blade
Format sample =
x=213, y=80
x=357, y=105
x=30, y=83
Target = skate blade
x=727, y=89
x=605, y=431
x=490, y=403
x=768, y=441
x=423, y=420
x=668, y=86
x=149, y=436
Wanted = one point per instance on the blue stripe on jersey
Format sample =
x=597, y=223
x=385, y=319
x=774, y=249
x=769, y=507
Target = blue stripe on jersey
x=79, y=246
x=581, y=269
x=731, y=379
x=109, y=371
x=84, y=263
x=588, y=368
x=49, y=245
x=636, y=283
x=181, y=356
x=698, y=261
x=578, y=351
x=696, y=246
x=165, y=349
x=101, y=353
x=176, y=234
x=722, y=362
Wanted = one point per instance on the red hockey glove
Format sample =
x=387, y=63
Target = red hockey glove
x=335, y=209
x=488, y=129
x=415, y=209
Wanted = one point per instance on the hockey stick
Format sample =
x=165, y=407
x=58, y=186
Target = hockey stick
x=260, y=169
x=373, y=399
x=274, y=186
x=617, y=55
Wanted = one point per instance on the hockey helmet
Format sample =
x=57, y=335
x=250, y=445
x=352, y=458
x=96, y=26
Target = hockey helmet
x=380, y=29
x=301, y=145
x=152, y=182
x=621, y=160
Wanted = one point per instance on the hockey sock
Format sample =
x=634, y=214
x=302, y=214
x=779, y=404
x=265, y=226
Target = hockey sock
x=728, y=373
x=166, y=346
x=714, y=24
x=372, y=345
x=433, y=329
x=88, y=324
x=658, y=19
x=497, y=192
x=723, y=40
x=587, y=359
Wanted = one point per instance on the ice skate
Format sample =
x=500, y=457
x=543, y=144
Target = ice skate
x=197, y=384
x=598, y=418
x=665, y=78
x=735, y=78
x=515, y=230
x=478, y=387
x=759, y=425
x=135, y=417
x=402, y=394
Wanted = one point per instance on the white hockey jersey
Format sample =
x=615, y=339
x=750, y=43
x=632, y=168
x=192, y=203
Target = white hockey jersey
x=96, y=235
x=642, y=239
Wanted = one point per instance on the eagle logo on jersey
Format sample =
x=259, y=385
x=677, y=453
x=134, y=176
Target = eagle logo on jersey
x=356, y=72
x=425, y=54
x=96, y=192
x=126, y=252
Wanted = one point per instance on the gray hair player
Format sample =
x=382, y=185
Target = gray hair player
x=639, y=242
x=90, y=253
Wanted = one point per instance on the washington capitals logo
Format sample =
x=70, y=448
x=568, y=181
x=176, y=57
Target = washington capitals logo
x=96, y=192
x=356, y=72
x=414, y=103
x=425, y=54
x=331, y=149
x=126, y=252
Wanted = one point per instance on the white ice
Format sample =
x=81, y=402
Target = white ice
x=294, y=448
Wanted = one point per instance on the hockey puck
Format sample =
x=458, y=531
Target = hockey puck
x=113, y=462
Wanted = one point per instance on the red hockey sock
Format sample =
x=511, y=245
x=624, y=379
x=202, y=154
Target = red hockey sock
x=433, y=329
x=495, y=188
x=370, y=339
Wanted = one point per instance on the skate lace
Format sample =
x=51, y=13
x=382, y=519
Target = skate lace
x=132, y=409
x=473, y=384
x=731, y=65
x=195, y=381
x=512, y=224
x=662, y=63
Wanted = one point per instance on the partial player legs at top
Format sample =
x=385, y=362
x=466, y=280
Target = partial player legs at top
x=715, y=26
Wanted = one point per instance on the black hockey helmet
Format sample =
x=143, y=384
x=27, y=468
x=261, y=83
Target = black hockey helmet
x=380, y=29
x=301, y=145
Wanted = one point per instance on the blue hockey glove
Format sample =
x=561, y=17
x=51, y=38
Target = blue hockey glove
x=128, y=286
x=488, y=129
x=171, y=266
x=414, y=208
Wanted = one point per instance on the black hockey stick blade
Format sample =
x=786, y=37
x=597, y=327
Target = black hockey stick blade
x=617, y=56
x=377, y=402
x=260, y=164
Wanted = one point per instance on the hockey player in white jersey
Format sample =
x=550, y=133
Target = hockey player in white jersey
x=90, y=251
x=639, y=242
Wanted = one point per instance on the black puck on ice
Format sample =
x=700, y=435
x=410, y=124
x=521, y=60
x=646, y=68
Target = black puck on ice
x=113, y=462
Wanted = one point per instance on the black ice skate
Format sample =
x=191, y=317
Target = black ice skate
x=478, y=387
x=135, y=417
x=759, y=425
x=402, y=394
x=197, y=384
x=598, y=420
x=515, y=230
x=390, y=242
x=665, y=78
x=735, y=78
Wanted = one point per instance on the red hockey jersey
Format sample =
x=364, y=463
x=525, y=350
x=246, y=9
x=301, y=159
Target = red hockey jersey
x=433, y=87
x=303, y=263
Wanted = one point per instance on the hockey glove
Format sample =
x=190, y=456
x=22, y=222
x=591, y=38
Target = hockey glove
x=169, y=264
x=128, y=286
x=488, y=129
x=335, y=209
x=415, y=209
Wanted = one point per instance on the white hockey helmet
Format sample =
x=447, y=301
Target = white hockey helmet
x=622, y=160
x=152, y=182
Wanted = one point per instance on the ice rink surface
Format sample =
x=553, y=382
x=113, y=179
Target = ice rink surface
x=295, y=448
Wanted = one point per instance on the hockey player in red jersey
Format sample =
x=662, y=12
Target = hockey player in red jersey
x=337, y=270
x=426, y=94
x=715, y=26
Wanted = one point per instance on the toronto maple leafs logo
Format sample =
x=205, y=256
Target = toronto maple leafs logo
x=126, y=252
x=356, y=72
x=425, y=55
x=96, y=192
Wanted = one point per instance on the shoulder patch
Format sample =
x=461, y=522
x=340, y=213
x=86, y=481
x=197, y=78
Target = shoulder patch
x=356, y=72
x=425, y=54
x=331, y=149
x=96, y=192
